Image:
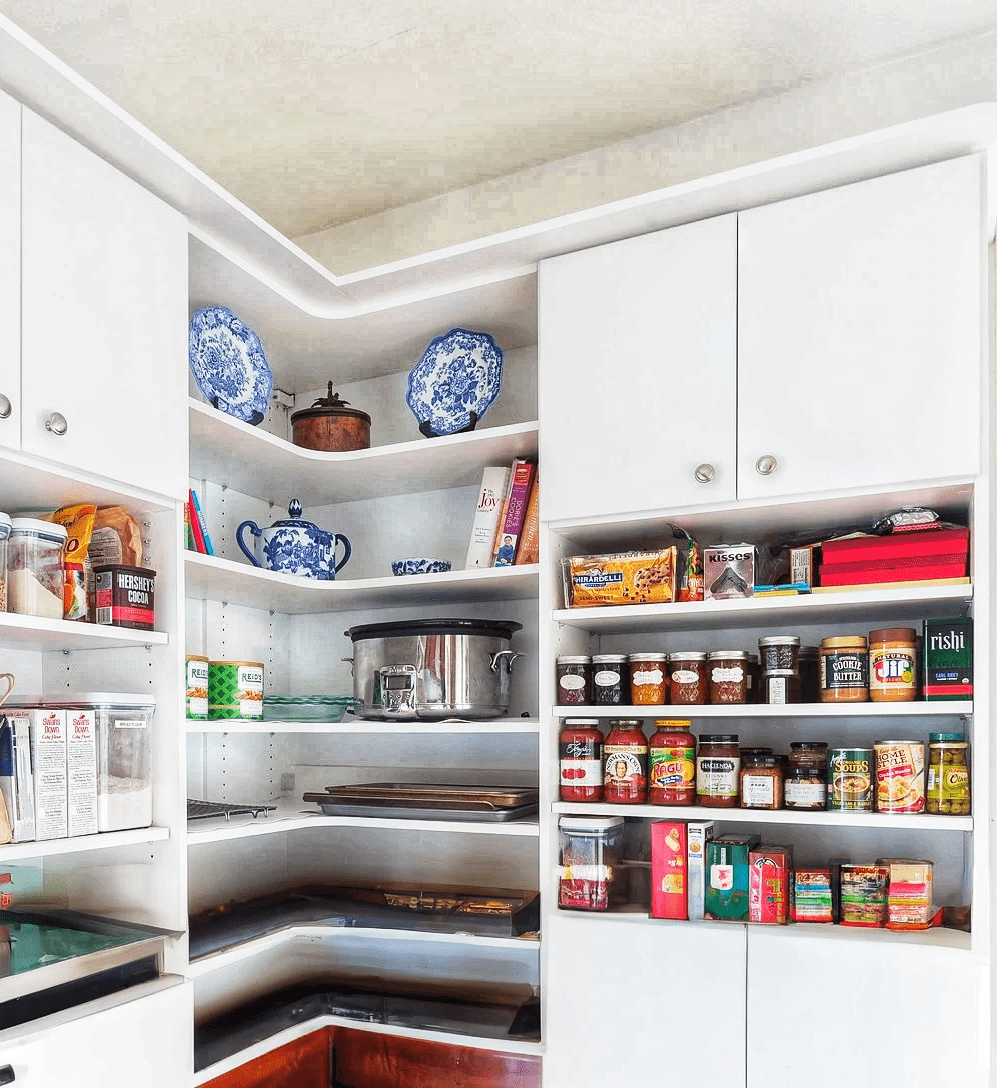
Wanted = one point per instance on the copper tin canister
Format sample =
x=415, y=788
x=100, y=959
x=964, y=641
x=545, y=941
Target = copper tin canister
x=330, y=426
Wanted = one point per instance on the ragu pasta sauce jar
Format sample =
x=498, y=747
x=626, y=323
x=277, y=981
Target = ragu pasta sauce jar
x=672, y=764
x=626, y=763
x=579, y=746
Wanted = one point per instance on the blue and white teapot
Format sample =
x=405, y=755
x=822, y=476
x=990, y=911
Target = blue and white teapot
x=295, y=546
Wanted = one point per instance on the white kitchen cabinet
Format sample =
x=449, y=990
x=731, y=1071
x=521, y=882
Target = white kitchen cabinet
x=623, y=1001
x=104, y=317
x=140, y=1038
x=860, y=333
x=10, y=272
x=638, y=372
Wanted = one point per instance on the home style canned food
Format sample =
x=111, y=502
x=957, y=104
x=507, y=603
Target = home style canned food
x=850, y=777
x=844, y=669
x=893, y=665
x=197, y=687
x=235, y=689
x=899, y=776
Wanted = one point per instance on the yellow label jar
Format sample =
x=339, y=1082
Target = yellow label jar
x=893, y=665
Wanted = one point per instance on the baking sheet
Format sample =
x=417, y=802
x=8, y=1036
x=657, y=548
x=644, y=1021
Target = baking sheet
x=433, y=794
x=398, y=812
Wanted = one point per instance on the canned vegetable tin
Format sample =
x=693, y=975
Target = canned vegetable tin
x=850, y=777
x=235, y=689
x=197, y=687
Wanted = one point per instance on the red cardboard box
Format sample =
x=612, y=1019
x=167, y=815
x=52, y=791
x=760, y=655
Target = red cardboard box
x=897, y=547
x=769, y=869
x=669, y=870
x=913, y=570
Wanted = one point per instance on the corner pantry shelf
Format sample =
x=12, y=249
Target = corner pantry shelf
x=497, y=726
x=920, y=821
x=230, y=452
x=211, y=578
x=109, y=840
x=35, y=633
x=908, y=603
x=947, y=709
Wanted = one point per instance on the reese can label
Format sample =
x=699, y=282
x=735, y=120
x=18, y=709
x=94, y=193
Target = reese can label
x=235, y=689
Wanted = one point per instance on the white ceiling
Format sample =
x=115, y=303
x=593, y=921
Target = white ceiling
x=317, y=112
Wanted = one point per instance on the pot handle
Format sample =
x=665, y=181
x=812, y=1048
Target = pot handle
x=348, y=549
x=509, y=655
x=256, y=531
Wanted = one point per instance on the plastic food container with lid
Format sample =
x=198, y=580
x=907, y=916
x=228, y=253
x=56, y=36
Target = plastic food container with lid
x=4, y=537
x=124, y=756
x=591, y=851
x=35, y=568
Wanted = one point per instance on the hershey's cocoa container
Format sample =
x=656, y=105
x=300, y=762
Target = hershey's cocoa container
x=125, y=596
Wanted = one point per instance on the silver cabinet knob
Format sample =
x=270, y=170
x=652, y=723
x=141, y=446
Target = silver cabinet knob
x=705, y=474
x=56, y=423
x=766, y=465
x=5, y=407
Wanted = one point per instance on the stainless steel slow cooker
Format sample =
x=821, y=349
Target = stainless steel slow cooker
x=432, y=669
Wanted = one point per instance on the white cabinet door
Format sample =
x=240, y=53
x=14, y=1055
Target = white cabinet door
x=637, y=345
x=643, y=1004
x=10, y=273
x=104, y=316
x=860, y=318
x=828, y=1011
x=142, y=1041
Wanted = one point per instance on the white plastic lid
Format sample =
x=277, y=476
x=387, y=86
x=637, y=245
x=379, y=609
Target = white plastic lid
x=4, y=526
x=104, y=698
x=592, y=824
x=48, y=530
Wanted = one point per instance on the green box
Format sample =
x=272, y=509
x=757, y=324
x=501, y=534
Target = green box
x=948, y=659
x=727, y=876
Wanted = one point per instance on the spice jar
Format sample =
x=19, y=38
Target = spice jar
x=36, y=575
x=780, y=652
x=948, y=774
x=610, y=679
x=718, y=769
x=672, y=764
x=687, y=673
x=893, y=665
x=844, y=669
x=809, y=670
x=761, y=783
x=728, y=676
x=574, y=680
x=648, y=679
x=780, y=686
x=625, y=780
x=579, y=746
x=4, y=536
x=805, y=788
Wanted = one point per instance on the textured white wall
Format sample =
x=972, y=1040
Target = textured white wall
x=958, y=74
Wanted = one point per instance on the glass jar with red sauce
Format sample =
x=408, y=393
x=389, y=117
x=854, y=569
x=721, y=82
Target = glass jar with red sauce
x=625, y=754
x=672, y=764
x=579, y=747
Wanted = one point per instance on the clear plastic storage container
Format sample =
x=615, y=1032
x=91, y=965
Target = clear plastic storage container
x=591, y=851
x=36, y=574
x=4, y=537
x=124, y=756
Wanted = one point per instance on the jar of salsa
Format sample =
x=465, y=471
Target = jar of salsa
x=625, y=750
x=648, y=679
x=579, y=747
x=672, y=764
x=687, y=673
x=574, y=679
x=718, y=769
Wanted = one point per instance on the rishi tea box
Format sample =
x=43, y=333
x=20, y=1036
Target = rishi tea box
x=948, y=659
x=727, y=876
x=669, y=870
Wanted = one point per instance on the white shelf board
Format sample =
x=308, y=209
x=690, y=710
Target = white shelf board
x=295, y=817
x=948, y=709
x=108, y=840
x=229, y=452
x=36, y=633
x=884, y=821
x=211, y=578
x=206, y=965
x=925, y=938
x=499, y=726
x=910, y=603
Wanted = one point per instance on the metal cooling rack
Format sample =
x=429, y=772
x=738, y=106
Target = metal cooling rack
x=203, y=810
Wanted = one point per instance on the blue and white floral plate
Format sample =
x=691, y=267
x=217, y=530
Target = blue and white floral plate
x=228, y=364
x=455, y=382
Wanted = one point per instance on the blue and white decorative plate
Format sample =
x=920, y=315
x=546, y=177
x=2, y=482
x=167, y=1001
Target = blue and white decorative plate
x=228, y=364
x=455, y=382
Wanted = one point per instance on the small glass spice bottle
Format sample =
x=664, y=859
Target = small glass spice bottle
x=610, y=679
x=687, y=676
x=727, y=673
x=625, y=752
x=761, y=783
x=574, y=679
x=648, y=679
x=718, y=770
x=672, y=764
x=579, y=746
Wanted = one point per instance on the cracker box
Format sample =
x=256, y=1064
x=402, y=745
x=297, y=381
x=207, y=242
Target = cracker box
x=698, y=835
x=669, y=870
x=948, y=659
x=728, y=572
x=768, y=884
x=813, y=896
x=727, y=876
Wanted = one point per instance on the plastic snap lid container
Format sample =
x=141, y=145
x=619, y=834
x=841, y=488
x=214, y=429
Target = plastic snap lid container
x=123, y=723
x=35, y=568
